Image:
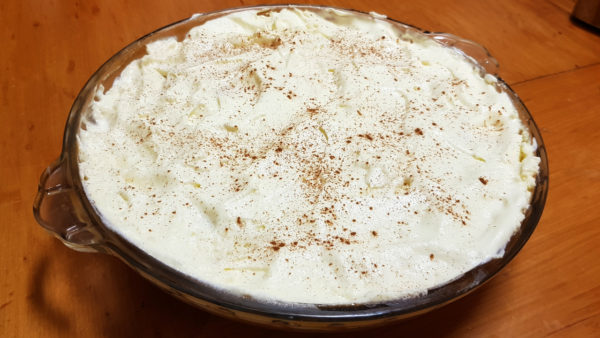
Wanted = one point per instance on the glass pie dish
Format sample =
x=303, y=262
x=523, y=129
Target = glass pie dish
x=62, y=207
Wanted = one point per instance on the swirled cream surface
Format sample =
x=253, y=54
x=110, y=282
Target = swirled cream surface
x=308, y=156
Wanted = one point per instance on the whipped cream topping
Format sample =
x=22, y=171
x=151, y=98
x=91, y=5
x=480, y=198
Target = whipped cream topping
x=309, y=156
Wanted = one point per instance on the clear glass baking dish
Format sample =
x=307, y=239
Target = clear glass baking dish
x=62, y=208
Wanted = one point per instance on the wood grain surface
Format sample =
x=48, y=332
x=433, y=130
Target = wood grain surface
x=50, y=48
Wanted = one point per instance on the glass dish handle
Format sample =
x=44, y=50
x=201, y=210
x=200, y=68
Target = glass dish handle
x=469, y=48
x=58, y=209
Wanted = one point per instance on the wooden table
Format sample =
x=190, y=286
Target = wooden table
x=50, y=48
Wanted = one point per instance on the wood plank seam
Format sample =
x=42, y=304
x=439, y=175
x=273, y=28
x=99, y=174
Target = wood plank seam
x=554, y=74
x=557, y=331
x=560, y=8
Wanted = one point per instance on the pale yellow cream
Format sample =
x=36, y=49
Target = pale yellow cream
x=311, y=157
